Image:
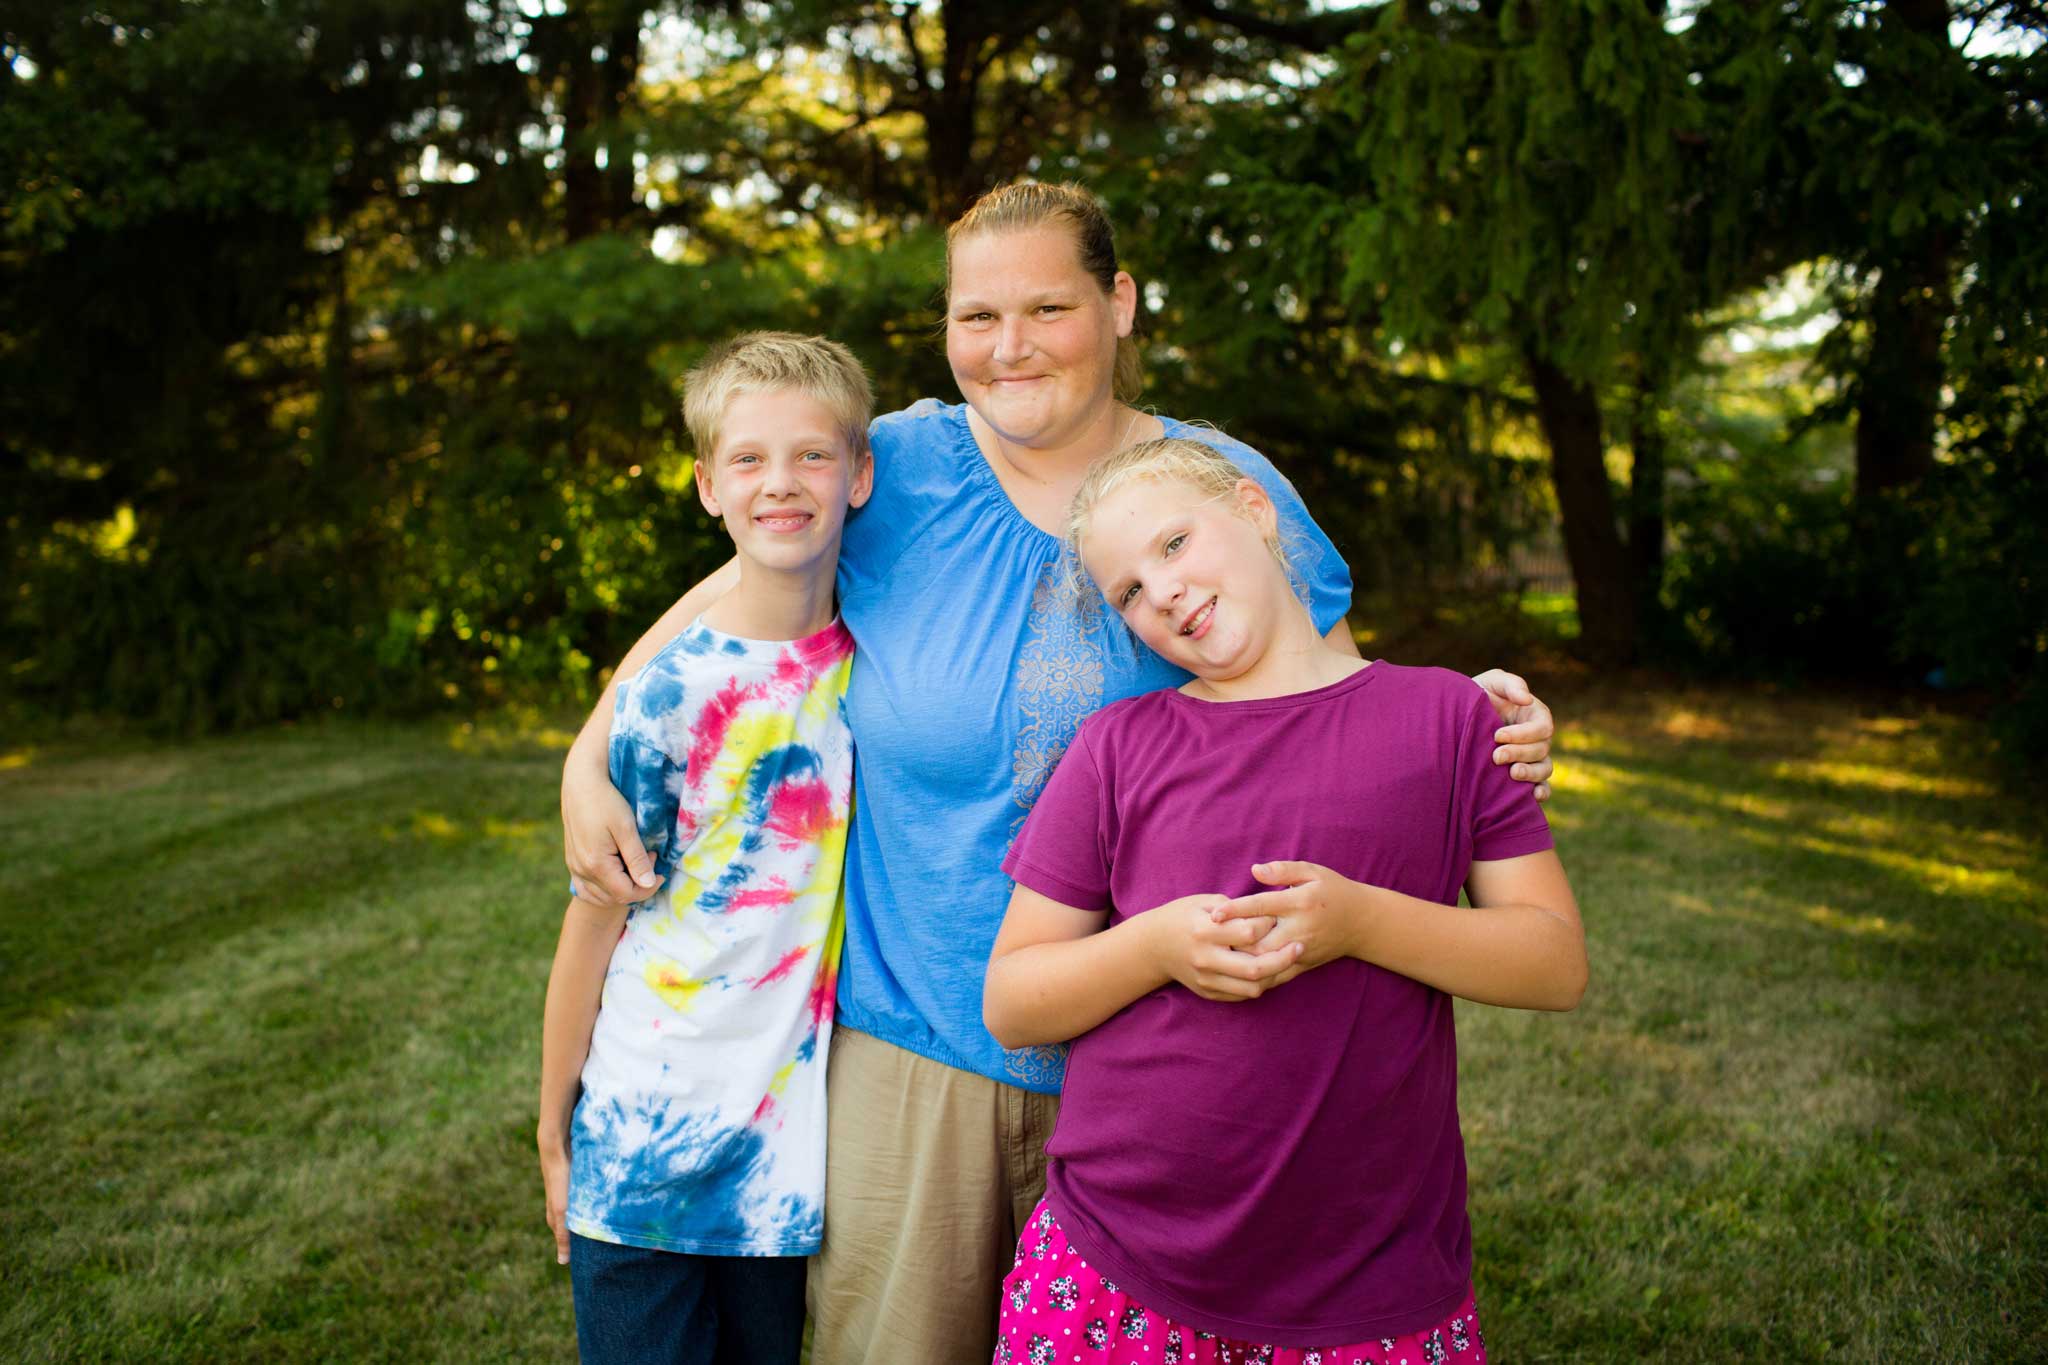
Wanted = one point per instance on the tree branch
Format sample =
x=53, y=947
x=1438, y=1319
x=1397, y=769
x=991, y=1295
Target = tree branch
x=1318, y=33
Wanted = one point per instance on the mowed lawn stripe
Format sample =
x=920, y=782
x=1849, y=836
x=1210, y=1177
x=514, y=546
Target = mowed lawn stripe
x=283, y=1111
x=1795, y=1095
x=301, y=1133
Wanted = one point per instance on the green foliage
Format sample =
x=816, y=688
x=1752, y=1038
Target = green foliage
x=355, y=323
x=1982, y=555
x=1727, y=587
x=1529, y=176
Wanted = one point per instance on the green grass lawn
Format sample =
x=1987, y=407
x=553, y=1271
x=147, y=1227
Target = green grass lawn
x=271, y=1014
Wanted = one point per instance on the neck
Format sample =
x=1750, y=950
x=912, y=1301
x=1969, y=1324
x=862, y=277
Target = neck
x=771, y=605
x=1296, y=659
x=1067, y=460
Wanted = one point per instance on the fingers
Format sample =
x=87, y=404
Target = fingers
x=1521, y=753
x=1542, y=792
x=1265, y=904
x=1505, y=689
x=1246, y=976
x=1242, y=933
x=605, y=885
x=561, y=1228
x=1286, y=872
x=1531, y=727
x=633, y=853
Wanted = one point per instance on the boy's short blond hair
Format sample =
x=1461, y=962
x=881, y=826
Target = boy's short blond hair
x=752, y=362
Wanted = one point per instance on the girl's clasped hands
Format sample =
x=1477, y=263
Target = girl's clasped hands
x=1238, y=949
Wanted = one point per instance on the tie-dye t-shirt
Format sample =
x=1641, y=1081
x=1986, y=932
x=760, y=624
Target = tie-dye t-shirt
x=701, y=1127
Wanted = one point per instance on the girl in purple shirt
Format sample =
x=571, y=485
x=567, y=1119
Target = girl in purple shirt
x=1239, y=900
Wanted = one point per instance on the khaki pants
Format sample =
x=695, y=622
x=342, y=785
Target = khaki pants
x=930, y=1174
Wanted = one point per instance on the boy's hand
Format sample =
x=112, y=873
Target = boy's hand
x=554, y=1176
x=1313, y=914
x=1207, y=956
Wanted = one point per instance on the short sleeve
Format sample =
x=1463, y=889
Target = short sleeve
x=1063, y=850
x=902, y=445
x=1507, y=819
x=651, y=783
x=1316, y=563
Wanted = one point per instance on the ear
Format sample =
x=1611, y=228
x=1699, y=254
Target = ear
x=863, y=478
x=1123, y=302
x=706, y=492
x=1251, y=495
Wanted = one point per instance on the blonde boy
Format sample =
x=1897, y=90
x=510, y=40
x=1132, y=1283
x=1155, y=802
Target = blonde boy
x=682, y=1116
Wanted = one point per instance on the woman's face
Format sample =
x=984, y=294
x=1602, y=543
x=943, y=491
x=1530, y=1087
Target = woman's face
x=1032, y=337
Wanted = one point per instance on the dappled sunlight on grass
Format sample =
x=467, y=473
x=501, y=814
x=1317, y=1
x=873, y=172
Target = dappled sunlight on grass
x=1802, y=1088
x=1693, y=904
x=436, y=826
x=1940, y=876
x=513, y=730
x=1682, y=722
x=1862, y=926
x=1871, y=777
x=17, y=758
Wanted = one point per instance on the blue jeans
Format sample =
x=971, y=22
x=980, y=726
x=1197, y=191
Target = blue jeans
x=636, y=1306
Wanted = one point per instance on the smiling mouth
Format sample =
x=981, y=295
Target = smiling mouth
x=783, y=521
x=1200, y=620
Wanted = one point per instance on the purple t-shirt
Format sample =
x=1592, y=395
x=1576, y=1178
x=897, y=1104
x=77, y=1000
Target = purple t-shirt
x=1287, y=1169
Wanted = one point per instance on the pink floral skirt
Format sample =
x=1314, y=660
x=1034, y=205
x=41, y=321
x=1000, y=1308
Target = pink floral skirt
x=1056, y=1311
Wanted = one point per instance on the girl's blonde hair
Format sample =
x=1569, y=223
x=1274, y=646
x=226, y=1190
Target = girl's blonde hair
x=1170, y=459
x=1032, y=203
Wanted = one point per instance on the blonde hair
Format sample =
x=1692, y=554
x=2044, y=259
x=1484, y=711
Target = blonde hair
x=1028, y=204
x=1170, y=459
x=754, y=362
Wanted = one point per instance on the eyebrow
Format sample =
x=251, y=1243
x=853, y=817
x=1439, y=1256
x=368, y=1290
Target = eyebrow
x=969, y=303
x=753, y=441
x=1159, y=538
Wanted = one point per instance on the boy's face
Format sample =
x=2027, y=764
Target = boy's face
x=782, y=476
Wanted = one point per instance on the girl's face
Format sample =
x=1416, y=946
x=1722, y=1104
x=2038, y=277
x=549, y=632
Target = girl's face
x=1191, y=574
x=1031, y=336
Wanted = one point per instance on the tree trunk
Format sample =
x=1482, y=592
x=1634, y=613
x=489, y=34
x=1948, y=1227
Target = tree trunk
x=621, y=100
x=1602, y=573
x=1646, y=495
x=950, y=98
x=598, y=47
x=1899, y=397
x=582, y=94
x=1900, y=394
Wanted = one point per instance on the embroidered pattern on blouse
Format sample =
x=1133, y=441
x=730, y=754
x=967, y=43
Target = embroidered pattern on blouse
x=1059, y=685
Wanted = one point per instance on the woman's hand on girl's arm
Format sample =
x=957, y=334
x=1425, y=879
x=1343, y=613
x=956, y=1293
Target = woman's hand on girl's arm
x=1055, y=972
x=600, y=843
x=1524, y=737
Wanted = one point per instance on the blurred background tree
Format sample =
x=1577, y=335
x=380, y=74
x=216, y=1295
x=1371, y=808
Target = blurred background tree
x=341, y=335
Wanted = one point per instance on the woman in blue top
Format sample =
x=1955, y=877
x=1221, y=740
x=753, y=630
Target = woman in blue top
x=972, y=672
